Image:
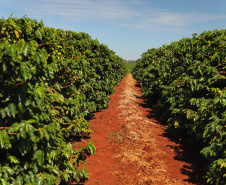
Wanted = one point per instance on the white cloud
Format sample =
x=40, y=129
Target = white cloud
x=102, y=10
x=117, y=12
x=171, y=19
x=183, y=19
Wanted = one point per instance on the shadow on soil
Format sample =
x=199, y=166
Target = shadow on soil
x=191, y=155
x=184, y=152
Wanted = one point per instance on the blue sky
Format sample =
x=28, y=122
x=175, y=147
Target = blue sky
x=128, y=27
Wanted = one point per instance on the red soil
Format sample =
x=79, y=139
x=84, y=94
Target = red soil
x=133, y=147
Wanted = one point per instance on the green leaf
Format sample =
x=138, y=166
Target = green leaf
x=38, y=94
x=77, y=178
x=35, y=169
x=39, y=155
x=25, y=49
x=53, y=154
x=38, y=58
x=4, y=67
x=12, y=51
x=46, y=134
x=91, y=149
x=25, y=71
x=19, y=180
x=40, y=180
x=9, y=170
x=56, y=171
x=66, y=177
x=50, y=179
x=38, y=34
x=4, y=140
x=31, y=134
x=3, y=182
x=7, y=111
x=23, y=130
x=3, y=113
x=26, y=165
x=27, y=179
x=21, y=108
x=13, y=159
x=12, y=109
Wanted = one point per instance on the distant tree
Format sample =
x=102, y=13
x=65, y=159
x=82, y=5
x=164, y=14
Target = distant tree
x=131, y=61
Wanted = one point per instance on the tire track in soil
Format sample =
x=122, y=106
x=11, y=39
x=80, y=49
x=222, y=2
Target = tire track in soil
x=131, y=148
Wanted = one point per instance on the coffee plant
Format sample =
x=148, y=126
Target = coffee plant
x=186, y=83
x=51, y=82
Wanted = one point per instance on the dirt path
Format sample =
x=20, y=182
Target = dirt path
x=131, y=144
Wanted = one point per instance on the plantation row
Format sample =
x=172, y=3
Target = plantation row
x=186, y=83
x=51, y=81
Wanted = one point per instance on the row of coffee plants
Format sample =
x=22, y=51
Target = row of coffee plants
x=186, y=83
x=51, y=81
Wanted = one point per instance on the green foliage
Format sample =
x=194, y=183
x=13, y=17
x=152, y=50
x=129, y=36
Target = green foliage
x=186, y=82
x=131, y=65
x=51, y=81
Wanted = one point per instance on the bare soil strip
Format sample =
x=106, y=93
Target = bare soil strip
x=141, y=149
x=131, y=148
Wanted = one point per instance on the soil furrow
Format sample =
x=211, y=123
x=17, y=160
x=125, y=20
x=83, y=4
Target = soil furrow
x=131, y=144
